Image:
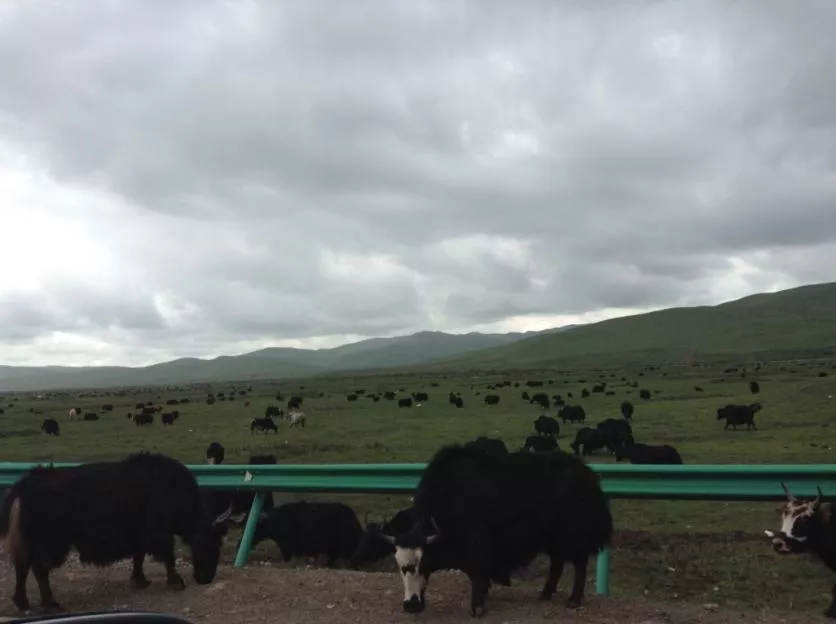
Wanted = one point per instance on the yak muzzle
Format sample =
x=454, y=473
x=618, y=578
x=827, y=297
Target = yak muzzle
x=786, y=545
x=203, y=577
x=413, y=605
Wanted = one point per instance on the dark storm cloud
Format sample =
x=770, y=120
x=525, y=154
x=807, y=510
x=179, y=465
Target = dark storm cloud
x=278, y=170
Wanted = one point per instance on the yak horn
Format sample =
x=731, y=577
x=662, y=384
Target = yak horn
x=223, y=517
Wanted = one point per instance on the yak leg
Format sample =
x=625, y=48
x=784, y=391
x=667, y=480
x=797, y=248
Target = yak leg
x=831, y=610
x=138, y=574
x=20, y=598
x=480, y=582
x=553, y=578
x=581, y=563
x=173, y=579
x=48, y=601
x=161, y=547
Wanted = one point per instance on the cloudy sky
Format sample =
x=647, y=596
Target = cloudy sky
x=199, y=178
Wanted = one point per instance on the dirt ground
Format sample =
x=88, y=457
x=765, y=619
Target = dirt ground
x=264, y=594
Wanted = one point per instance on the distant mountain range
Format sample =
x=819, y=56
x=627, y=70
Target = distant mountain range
x=794, y=323
x=270, y=363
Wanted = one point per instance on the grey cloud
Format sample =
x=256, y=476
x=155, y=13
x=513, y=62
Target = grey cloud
x=287, y=170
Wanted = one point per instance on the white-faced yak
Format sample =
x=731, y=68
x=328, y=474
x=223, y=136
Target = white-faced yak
x=486, y=513
x=808, y=527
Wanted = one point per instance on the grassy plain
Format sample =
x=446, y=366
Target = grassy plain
x=704, y=552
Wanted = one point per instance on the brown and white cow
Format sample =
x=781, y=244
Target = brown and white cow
x=808, y=526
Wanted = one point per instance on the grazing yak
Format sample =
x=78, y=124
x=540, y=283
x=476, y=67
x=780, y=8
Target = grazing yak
x=50, y=427
x=546, y=425
x=215, y=453
x=143, y=419
x=588, y=440
x=616, y=433
x=540, y=444
x=108, y=511
x=735, y=415
x=312, y=529
x=638, y=453
x=263, y=424
x=808, y=527
x=489, y=445
x=271, y=411
x=487, y=514
x=572, y=413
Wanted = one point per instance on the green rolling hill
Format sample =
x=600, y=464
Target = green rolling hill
x=270, y=363
x=800, y=322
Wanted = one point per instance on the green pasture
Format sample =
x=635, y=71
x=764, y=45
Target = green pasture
x=708, y=552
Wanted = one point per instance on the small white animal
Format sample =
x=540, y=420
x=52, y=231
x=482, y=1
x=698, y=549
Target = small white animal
x=297, y=418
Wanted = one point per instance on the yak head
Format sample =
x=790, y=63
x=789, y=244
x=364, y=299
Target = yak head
x=623, y=444
x=371, y=546
x=797, y=517
x=410, y=550
x=205, y=547
x=214, y=453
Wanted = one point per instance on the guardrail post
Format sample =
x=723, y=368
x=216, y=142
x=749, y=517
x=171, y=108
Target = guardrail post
x=602, y=570
x=249, y=530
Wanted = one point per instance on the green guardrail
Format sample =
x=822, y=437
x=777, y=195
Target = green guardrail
x=686, y=482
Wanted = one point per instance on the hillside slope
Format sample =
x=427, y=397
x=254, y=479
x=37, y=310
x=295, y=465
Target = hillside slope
x=796, y=322
x=270, y=363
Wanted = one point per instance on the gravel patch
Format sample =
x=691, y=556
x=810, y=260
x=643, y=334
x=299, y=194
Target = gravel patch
x=265, y=594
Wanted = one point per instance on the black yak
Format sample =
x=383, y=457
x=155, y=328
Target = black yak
x=648, y=453
x=735, y=415
x=484, y=514
x=303, y=528
x=108, y=511
x=263, y=424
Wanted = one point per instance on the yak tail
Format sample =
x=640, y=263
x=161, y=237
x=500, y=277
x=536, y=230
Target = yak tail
x=10, y=529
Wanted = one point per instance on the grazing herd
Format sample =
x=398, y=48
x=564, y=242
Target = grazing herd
x=479, y=507
x=143, y=415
